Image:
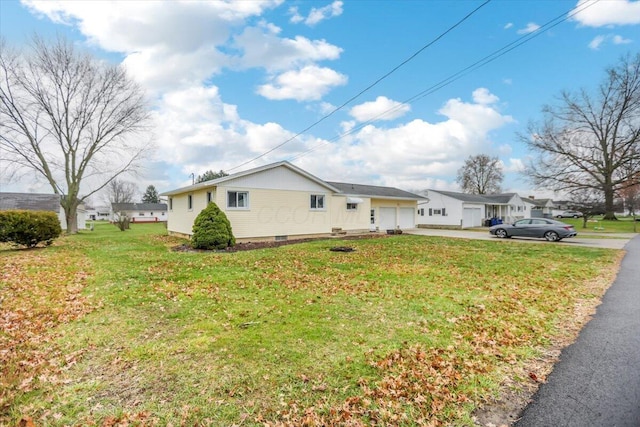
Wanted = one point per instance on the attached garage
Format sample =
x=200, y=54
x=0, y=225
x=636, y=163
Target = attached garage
x=387, y=219
x=471, y=217
x=407, y=218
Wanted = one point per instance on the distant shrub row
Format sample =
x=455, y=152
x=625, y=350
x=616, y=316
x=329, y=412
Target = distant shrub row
x=29, y=228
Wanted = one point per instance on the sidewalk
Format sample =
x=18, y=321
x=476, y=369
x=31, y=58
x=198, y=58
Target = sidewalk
x=597, y=381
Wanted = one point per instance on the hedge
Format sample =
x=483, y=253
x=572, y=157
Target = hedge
x=29, y=228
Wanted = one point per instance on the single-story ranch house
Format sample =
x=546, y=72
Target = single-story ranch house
x=139, y=212
x=40, y=202
x=280, y=201
x=451, y=209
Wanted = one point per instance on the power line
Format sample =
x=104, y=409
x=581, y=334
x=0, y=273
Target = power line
x=323, y=118
x=458, y=75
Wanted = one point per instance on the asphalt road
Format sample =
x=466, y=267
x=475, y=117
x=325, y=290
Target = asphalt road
x=597, y=381
x=593, y=240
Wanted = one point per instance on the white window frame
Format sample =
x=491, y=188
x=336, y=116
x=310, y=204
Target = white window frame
x=313, y=202
x=237, y=199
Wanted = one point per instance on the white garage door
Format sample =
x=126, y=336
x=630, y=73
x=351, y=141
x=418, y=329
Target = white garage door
x=387, y=219
x=407, y=218
x=471, y=217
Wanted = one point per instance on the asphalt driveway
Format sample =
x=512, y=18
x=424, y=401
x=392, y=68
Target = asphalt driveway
x=597, y=381
x=589, y=239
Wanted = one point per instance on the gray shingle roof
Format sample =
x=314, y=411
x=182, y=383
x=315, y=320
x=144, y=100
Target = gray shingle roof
x=490, y=199
x=120, y=207
x=30, y=202
x=373, y=191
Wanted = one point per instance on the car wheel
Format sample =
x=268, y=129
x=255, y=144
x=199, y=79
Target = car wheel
x=551, y=236
x=501, y=233
x=576, y=216
x=558, y=216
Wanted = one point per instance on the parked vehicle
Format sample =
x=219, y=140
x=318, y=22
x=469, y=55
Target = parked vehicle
x=549, y=229
x=569, y=214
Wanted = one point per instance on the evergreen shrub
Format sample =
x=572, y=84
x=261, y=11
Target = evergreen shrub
x=29, y=228
x=212, y=229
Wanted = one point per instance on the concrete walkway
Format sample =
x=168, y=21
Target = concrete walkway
x=597, y=381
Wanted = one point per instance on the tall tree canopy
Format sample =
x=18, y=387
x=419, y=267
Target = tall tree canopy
x=209, y=175
x=591, y=141
x=481, y=174
x=70, y=118
x=151, y=195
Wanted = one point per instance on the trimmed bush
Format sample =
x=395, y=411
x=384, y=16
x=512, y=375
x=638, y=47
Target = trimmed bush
x=29, y=228
x=212, y=229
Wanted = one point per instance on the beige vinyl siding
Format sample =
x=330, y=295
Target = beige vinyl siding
x=181, y=218
x=350, y=220
x=276, y=213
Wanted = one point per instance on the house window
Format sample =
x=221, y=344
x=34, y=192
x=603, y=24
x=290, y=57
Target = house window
x=170, y=203
x=421, y=211
x=162, y=213
x=190, y=202
x=437, y=211
x=238, y=199
x=151, y=214
x=519, y=208
x=352, y=206
x=317, y=201
x=140, y=213
x=208, y=197
x=373, y=216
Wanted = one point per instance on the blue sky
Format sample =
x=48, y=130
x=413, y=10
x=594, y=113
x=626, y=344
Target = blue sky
x=229, y=81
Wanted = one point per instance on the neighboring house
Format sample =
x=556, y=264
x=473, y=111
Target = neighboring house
x=139, y=212
x=100, y=213
x=40, y=202
x=452, y=209
x=540, y=208
x=281, y=201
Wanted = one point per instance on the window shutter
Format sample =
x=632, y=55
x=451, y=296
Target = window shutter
x=443, y=213
x=430, y=212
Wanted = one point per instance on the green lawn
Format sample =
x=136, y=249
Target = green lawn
x=596, y=224
x=109, y=327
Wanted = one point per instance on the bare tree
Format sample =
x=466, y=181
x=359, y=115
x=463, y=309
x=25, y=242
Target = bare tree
x=591, y=142
x=74, y=120
x=481, y=174
x=588, y=201
x=118, y=191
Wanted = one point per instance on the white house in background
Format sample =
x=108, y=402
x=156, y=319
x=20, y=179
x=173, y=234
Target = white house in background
x=540, y=208
x=139, y=212
x=98, y=213
x=280, y=201
x=40, y=202
x=451, y=209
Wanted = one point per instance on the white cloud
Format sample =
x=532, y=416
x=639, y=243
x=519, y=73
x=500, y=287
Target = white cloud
x=316, y=15
x=261, y=47
x=484, y=97
x=412, y=155
x=382, y=108
x=596, y=42
x=509, y=25
x=620, y=40
x=530, y=28
x=604, y=13
x=514, y=166
x=310, y=83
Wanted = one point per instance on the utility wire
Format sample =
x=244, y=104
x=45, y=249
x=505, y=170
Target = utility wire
x=458, y=75
x=323, y=118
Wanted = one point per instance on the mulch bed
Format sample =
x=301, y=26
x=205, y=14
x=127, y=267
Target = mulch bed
x=249, y=246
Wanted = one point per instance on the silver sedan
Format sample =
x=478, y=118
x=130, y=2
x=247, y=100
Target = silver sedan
x=545, y=228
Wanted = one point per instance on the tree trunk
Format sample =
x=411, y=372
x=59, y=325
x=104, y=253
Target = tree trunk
x=71, y=214
x=608, y=203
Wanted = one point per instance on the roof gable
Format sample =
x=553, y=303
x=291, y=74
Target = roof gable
x=247, y=178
